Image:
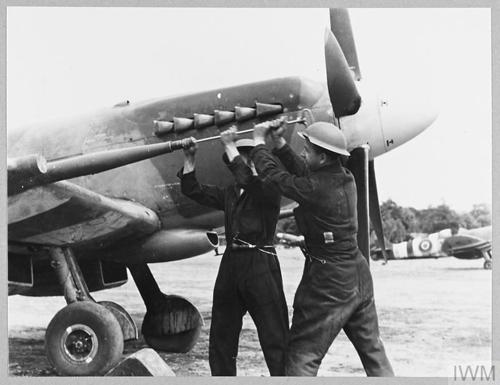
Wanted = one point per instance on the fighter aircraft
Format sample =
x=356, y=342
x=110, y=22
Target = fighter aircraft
x=462, y=244
x=90, y=197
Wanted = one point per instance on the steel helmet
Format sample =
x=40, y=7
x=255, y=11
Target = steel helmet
x=242, y=145
x=327, y=136
x=245, y=143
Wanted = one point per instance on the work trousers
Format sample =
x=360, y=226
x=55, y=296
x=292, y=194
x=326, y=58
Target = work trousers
x=248, y=280
x=335, y=293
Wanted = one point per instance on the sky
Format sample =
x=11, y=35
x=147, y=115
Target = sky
x=67, y=61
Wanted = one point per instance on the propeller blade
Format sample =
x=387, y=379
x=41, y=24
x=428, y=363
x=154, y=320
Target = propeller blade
x=340, y=23
x=342, y=89
x=374, y=205
x=358, y=164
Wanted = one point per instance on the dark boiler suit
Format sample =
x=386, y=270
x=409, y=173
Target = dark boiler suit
x=249, y=278
x=336, y=289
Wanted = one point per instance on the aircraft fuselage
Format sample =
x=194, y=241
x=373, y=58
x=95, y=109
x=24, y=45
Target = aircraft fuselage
x=153, y=182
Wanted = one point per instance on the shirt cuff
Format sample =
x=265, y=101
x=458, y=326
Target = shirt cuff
x=256, y=149
x=181, y=175
x=283, y=150
x=236, y=163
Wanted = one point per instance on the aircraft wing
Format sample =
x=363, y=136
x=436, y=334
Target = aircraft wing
x=63, y=213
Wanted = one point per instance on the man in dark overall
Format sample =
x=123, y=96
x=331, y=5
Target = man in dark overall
x=249, y=277
x=336, y=289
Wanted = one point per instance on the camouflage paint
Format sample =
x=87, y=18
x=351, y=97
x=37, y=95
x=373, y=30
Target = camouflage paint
x=153, y=183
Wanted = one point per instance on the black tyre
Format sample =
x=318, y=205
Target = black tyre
x=174, y=326
x=127, y=324
x=83, y=339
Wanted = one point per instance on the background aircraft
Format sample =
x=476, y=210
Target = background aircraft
x=123, y=209
x=464, y=244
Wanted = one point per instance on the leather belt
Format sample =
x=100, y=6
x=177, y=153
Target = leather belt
x=241, y=246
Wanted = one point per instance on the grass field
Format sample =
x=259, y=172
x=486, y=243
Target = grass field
x=433, y=314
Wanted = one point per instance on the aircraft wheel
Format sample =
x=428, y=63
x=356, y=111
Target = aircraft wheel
x=127, y=324
x=487, y=265
x=83, y=339
x=174, y=327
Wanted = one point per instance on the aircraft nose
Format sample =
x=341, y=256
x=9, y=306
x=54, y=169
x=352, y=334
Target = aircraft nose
x=406, y=114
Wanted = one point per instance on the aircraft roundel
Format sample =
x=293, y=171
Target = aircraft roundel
x=425, y=245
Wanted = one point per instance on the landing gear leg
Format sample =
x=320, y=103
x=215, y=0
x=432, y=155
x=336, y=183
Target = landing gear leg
x=69, y=275
x=84, y=338
x=487, y=259
x=171, y=323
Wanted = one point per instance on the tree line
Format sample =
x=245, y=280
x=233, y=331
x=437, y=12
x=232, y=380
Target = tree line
x=401, y=222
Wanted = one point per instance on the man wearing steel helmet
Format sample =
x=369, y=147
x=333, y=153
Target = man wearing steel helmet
x=249, y=277
x=336, y=289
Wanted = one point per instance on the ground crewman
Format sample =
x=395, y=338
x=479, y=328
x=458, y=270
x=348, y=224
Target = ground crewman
x=336, y=289
x=249, y=277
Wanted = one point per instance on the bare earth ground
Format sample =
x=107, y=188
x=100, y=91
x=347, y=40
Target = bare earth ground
x=432, y=313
